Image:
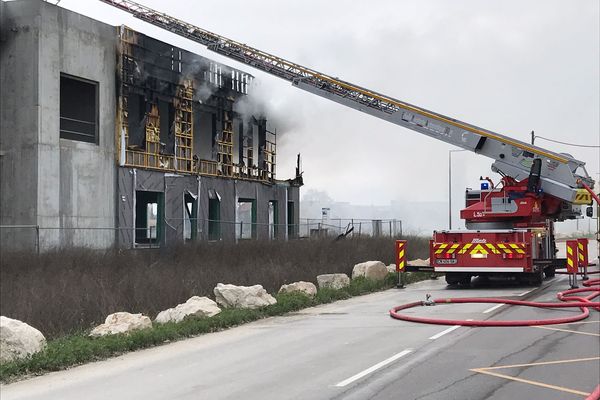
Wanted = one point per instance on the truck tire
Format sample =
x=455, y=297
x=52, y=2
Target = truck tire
x=452, y=278
x=536, y=278
x=465, y=280
x=550, y=272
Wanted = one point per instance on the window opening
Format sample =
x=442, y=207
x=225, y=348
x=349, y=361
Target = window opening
x=214, y=215
x=246, y=219
x=149, y=212
x=273, y=220
x=78, y=109
x=190, y=217
x=290, y=220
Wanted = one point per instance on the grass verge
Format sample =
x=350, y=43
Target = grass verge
x=78, y=348
x=66, y=291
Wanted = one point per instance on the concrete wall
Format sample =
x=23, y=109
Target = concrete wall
x=19, y=105
x=57, y=183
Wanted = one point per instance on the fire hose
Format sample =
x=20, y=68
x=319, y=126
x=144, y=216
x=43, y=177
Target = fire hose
x=568, y=301
x=567, y=298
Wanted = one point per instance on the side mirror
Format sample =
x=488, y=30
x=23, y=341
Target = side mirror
x=589, y=211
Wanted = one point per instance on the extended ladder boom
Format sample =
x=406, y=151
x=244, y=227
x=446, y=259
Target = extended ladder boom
x=559, y=174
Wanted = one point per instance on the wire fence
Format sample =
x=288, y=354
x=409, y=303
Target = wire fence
x=176, y=230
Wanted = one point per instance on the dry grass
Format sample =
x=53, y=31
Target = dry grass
x=68, y=291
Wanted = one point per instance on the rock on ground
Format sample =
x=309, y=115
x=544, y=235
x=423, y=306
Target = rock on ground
x=333, y=281
x=18, y=339
x=195, y=305
x=307, y=288
x=419, y=263
x=391, y=268
x=232, y=296
x=121, y=322
x=375, y=270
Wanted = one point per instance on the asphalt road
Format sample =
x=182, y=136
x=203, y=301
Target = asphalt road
x=353, y=350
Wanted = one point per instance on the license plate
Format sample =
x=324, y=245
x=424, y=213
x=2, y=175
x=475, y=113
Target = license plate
x=446, y=261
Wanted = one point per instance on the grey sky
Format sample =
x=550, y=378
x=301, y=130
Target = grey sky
x=508, y=66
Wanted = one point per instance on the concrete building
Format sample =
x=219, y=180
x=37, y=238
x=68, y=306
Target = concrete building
x=111, y=138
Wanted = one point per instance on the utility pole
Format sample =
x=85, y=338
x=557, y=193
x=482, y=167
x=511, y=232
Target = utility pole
x=532, y=137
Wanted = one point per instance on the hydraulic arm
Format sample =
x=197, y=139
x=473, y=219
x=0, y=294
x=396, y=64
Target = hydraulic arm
x=560, y=174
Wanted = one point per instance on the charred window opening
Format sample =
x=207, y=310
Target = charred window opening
x=137, y=120
x=215, y=74
x=78, y=109
x=213, y=119
x=240, y=144
x=166, y=111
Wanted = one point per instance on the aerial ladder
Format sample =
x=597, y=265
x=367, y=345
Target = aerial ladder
x=511, y=222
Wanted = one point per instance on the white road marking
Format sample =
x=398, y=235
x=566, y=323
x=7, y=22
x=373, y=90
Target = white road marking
x=489, y=310
x=524, y=293
x=373, y=368
x=442, y=333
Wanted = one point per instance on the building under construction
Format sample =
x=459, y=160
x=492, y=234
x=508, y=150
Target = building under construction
x=110, y=137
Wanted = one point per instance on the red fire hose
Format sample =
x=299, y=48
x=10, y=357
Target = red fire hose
x=569, y=301
x=595, y=395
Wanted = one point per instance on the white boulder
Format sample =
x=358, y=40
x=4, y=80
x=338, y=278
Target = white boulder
x=307, y=288
x=333, y=281
x=391, y=268
x=18, y=340
x=232, y=296
x=121, y=322
x=419, y=262
x=195, y=305
x=375, y=270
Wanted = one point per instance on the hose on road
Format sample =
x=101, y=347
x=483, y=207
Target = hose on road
x=567, y=301
x=595, y=395
x=567, y=298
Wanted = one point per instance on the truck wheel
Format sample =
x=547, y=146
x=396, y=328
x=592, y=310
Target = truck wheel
x=536, y=278
x=465, y=280
x=550, y=272
x=452, y=278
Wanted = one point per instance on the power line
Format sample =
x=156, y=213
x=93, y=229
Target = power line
x=568, y=144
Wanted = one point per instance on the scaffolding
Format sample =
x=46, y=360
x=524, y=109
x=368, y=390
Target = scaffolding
x=269, y=156
x=225, y=147
x=184, y=127
x=149, y=152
